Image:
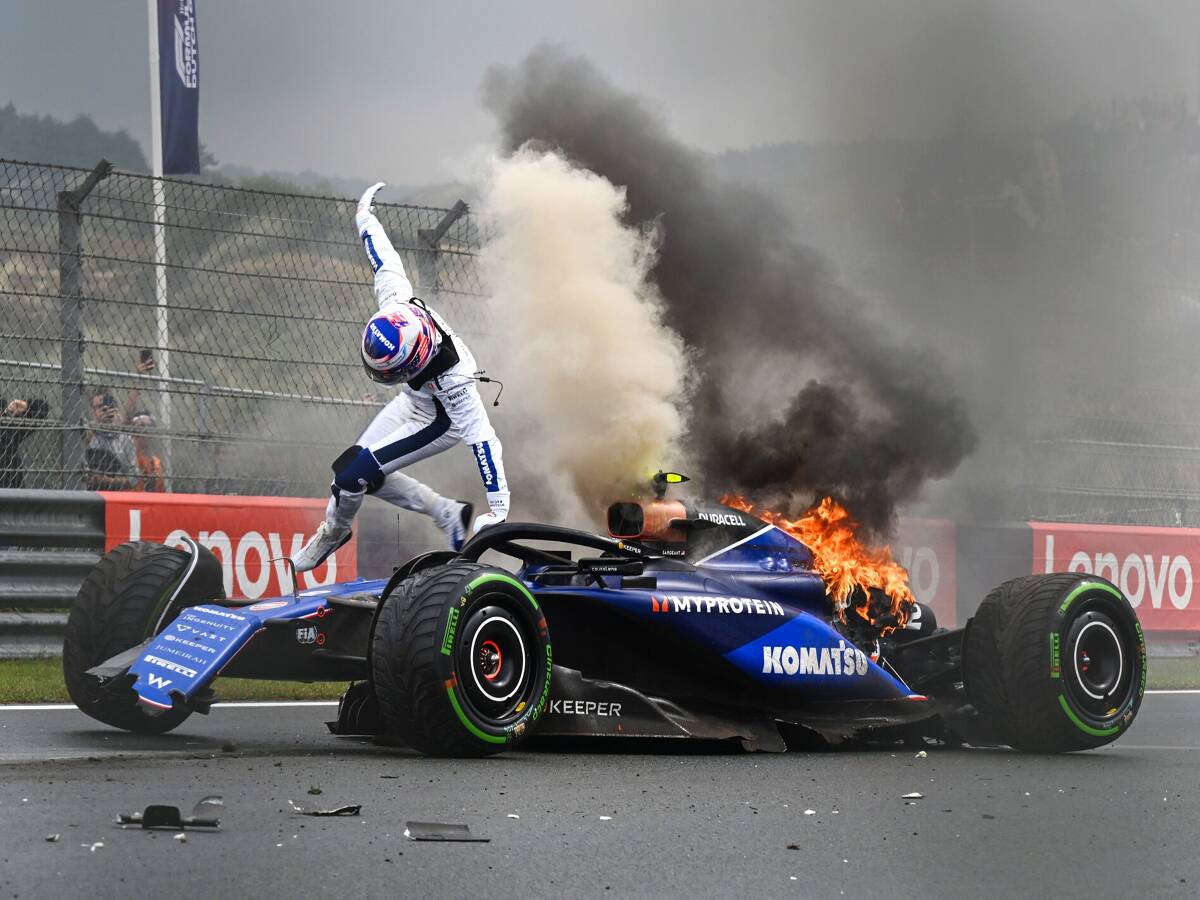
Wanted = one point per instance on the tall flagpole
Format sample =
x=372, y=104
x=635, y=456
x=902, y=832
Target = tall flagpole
x=162, y=318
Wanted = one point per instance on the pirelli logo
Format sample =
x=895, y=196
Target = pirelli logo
x=451, y=627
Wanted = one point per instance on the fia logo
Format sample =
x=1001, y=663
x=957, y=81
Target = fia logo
x=307, y=634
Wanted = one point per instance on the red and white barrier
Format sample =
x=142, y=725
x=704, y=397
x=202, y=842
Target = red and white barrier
x=249, y=535
x=928, y=549
x=1154, y=567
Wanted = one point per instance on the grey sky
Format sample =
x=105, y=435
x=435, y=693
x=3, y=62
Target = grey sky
x=391, y=89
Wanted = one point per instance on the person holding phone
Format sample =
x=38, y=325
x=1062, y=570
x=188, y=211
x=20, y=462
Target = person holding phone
x=111, y=457
x=115, y=443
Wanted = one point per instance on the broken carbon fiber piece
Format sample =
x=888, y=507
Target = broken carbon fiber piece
x=352, y=809
x=440, y=831
x=204, y=815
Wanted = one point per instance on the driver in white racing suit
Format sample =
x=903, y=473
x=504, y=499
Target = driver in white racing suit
x=407, y=343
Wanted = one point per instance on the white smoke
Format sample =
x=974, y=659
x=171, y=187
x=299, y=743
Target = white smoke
x=597, y=382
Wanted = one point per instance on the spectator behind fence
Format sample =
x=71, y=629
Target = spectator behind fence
x=111, y=455
x=118, y=460
x=150, y=467
x=14, y=428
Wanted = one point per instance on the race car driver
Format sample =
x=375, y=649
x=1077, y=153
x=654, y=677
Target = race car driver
x=408, y=344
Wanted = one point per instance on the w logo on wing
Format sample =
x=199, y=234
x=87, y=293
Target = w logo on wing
x=157, y=681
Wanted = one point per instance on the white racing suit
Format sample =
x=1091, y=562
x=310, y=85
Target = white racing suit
x=431, y=413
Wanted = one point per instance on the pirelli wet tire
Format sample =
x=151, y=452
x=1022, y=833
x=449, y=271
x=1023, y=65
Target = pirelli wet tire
x=122, y=602
x=460, y=660
x=1054, y=663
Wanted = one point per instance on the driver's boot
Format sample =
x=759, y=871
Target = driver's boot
x=320, y=546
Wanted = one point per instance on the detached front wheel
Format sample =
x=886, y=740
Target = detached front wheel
x=1055, y=663
x=132, y=594
x=461, y=661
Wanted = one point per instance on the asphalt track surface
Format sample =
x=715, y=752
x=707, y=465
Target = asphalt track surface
x=1117, y=822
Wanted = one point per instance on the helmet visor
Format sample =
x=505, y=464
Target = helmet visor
x=391, y=376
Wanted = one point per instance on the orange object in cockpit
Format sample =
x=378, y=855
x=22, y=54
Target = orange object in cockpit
x=647, y=520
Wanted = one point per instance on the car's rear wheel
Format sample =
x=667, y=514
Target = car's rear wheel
x=1055, y=663
x=461, y=661
x=131, y=594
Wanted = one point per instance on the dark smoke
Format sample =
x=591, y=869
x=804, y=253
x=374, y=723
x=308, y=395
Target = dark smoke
x=878, y=423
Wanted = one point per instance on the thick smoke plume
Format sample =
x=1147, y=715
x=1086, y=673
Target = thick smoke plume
x=601, y=379
x=798, y=394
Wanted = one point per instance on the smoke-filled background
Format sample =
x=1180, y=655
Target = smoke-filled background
x=936, y=257
x=876, y=419
x=600, y=381
x=974, y=323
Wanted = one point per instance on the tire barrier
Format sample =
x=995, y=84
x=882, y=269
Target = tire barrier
x=49, y=541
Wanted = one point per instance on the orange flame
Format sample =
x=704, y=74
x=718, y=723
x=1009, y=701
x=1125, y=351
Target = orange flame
x=829, y=531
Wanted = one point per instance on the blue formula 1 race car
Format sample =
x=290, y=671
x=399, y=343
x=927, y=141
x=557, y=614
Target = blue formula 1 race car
x=689, y=621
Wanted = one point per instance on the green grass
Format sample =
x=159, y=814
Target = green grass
x=41, y=681
x=1166, y=673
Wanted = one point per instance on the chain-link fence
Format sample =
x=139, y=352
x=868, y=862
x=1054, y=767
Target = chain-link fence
x=1115, y=438
x=220, y=358
x=238, y=372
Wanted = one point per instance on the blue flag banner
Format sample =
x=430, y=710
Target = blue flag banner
x=179, y=83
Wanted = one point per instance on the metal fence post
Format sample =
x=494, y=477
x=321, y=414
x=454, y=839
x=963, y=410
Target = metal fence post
x=431, y=238
x=70, y=290
x=208, y=450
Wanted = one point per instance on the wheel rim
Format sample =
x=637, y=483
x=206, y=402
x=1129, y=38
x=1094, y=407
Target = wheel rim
x=498, y=659
x=496, y=670
x=1099, y=671
x=1099, y=660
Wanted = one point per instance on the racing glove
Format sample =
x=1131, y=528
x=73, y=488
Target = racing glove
x=367, y=200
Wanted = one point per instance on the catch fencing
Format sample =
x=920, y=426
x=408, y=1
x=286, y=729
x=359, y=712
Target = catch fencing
x=225, y=345
x=222, y=344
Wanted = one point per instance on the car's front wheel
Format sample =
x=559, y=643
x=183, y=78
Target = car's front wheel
x=131, y=594
x=461, y=661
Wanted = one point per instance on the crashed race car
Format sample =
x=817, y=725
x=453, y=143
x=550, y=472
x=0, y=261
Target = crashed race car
x=687, y=622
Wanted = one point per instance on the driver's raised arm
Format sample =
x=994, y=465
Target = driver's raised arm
x=391, y=281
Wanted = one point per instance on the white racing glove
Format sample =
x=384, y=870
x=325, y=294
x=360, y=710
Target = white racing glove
x=486, y=521
x=367, y=200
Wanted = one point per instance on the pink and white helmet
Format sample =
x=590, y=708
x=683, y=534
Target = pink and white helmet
x=398, y=343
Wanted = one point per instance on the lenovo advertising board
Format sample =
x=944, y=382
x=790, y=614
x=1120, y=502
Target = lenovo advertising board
x=249, y=535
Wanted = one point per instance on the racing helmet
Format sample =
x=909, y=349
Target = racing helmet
x=398, y=343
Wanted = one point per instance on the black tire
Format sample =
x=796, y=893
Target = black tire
x=430, y=647
x=121, y=603
x=1055, y=663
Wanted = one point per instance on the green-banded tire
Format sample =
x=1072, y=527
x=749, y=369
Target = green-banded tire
x=1055, y=663
x=460, y=660
x=121, y=603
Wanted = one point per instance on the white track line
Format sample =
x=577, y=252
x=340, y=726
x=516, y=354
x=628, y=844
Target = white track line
x=253, y=704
